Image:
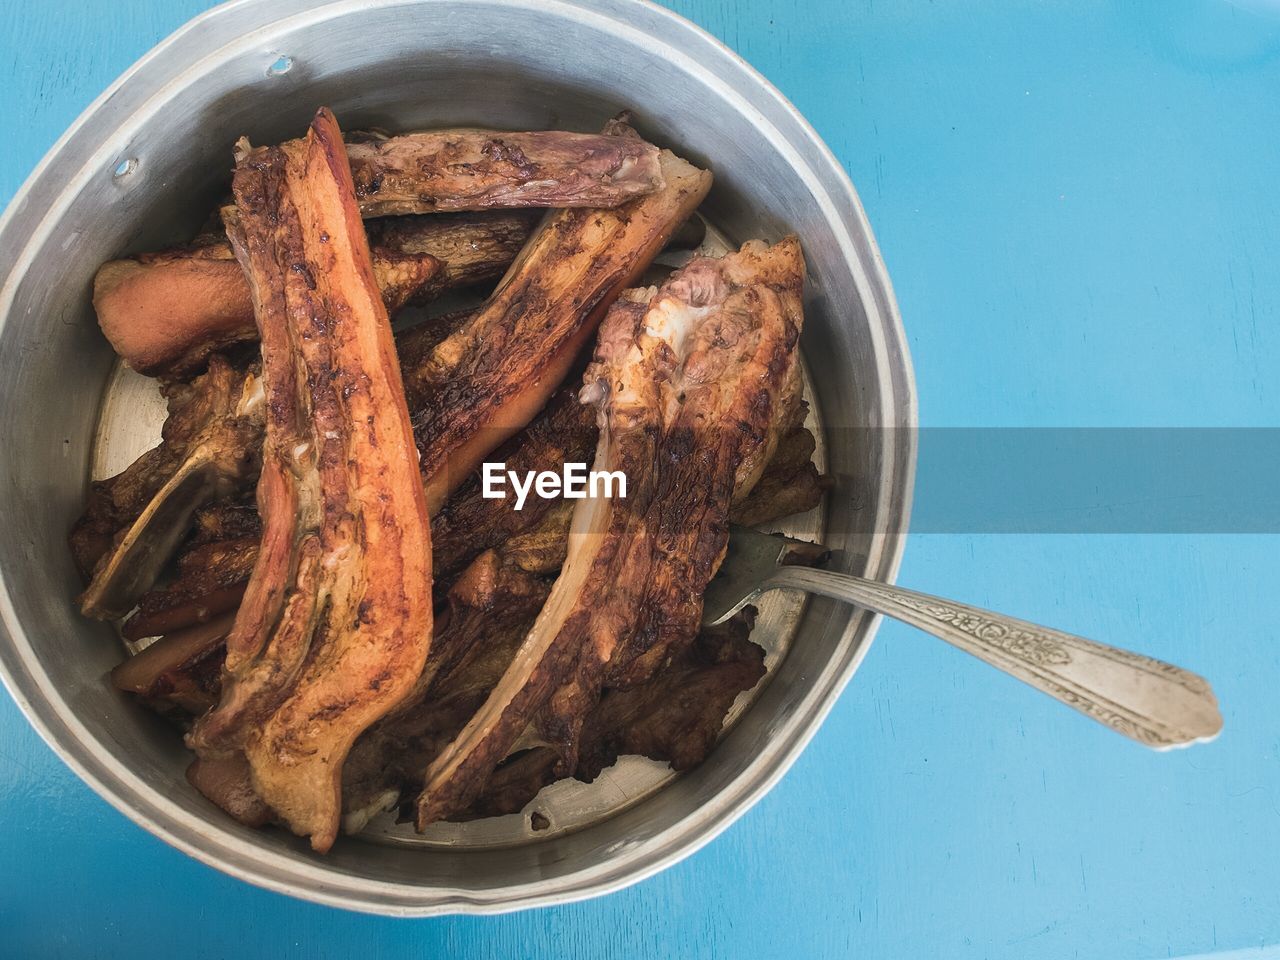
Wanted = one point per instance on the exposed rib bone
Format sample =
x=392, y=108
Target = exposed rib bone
x=221, y=455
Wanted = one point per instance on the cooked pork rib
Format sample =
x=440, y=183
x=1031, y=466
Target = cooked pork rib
x=467, y=169
x=469, y=523
x=166, y=312
x=676, y=717
x=486, y=615
x=210, y=446
x=490, y=377
x=687, y=386
x=336, y=621
x=116, y=503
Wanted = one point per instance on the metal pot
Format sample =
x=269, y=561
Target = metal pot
x=151, y=156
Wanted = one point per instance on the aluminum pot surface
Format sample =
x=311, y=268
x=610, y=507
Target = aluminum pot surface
x=140, y=169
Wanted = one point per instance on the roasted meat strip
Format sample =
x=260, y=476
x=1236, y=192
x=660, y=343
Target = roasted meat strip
x=336, y=622
x=209, y=448
x=470, y=523
x=115, y=503
x=465, y=169
x=676, y=716
x=687, y=383
x=165, y=313
x=490, y=377
x=486, y=615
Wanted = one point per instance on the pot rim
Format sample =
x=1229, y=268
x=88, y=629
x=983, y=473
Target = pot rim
x=215, y=845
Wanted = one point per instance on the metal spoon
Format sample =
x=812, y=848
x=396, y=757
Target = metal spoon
x=1153, y=702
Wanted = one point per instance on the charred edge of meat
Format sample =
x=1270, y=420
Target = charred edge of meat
x=492, y=376
x=467, y=169
x=336, y=623
x=688, y=389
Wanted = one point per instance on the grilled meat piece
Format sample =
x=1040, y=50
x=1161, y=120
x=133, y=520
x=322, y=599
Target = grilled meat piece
x=468, y=524
x=182, y=669
x=487, y=613
x=166, y=312
x=210, y=580
x=336, y=621
x=115, y=503
x=209, y=449
x=471, y=247
x=790, y=484
x=688, y=386
x=676, y=716
x=489, y=378
x=466, y=169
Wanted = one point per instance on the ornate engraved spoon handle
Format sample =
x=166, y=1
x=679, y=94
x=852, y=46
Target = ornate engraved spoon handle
x=1153, y=702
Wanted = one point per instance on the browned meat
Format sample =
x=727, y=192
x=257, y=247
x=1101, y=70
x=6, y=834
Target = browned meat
x=336, y=622
x=182, y=669
x=479, y=169
x=688, y=387
x=489, y=378
x=676, y=716
x=166, y=312
x=471, y=247
x=210, y=580
x=790, y=484
x=487, y=613
x=468, y=523
x=231, y=519
x=209, y=450
x=115, y=503
x=229, y=783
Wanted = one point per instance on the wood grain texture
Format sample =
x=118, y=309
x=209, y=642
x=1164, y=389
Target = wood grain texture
x=1079, y=204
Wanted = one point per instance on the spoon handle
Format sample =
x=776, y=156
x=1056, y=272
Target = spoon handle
x=1153, y=702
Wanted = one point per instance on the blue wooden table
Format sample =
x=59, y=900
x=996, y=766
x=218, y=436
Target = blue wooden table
x=1079, y=203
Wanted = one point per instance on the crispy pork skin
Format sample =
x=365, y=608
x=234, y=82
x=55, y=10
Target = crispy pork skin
x=165, y=313
x=465, y=169
x=687, y=383
x=336, y=621
x=490, y=377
